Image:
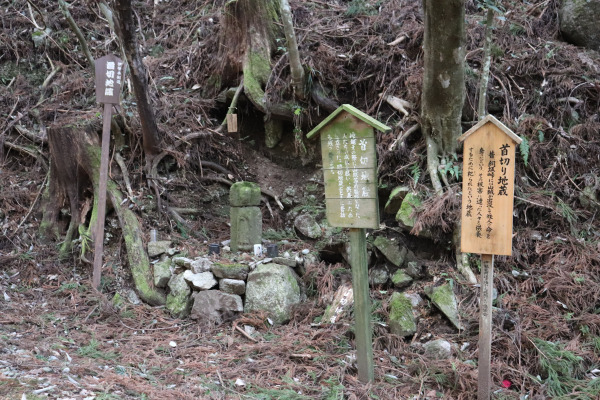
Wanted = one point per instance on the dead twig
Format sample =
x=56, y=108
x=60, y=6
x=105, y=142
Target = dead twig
x=246, y=335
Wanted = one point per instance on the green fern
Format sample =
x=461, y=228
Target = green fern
x=415, y=172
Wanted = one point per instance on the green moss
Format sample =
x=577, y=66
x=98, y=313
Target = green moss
x=410, y=203
x=179, y=306
x=443, y=298
x=401, y=279
x=401, y=318
x=256, y=72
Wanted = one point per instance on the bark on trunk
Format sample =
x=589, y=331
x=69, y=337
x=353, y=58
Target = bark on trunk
x=443, y=81
x=125, y=27
x=75, y=157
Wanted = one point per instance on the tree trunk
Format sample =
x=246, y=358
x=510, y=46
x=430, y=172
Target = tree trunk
x=443, y=81
x=75, y=158
x=126, y=27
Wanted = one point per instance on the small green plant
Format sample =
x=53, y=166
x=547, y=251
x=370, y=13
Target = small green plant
x=415, y=172
x=562, y=368
x=361, y=7
x=524, y=150
x=91, y=351
x=68, y=286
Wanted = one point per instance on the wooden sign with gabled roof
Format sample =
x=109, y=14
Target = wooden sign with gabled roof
x=488, y=187
x=350, y=167
x=350, y=175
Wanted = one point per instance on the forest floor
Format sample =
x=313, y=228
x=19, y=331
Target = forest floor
x=60, y=339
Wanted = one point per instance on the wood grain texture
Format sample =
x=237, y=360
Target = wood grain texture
x=488, y=191
x=99, y=228
x=484, y=380
x=362, y=305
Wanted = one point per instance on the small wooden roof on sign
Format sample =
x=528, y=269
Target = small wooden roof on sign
x=351, y=110
x=493, y=120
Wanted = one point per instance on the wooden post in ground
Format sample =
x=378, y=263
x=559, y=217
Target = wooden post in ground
x=99, y=229
x=362, y=304
x=487, y=212
x=109, y=77
x=349, y=157
x=484, y=381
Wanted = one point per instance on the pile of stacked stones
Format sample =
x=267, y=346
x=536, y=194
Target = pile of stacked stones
x=211, y=291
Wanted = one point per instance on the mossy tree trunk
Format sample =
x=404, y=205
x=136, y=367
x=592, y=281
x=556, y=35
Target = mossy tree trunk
x=443, y=81
x=75, y=157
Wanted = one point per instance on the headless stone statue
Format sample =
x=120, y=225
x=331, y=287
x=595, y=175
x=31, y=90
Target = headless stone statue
x=246, y=217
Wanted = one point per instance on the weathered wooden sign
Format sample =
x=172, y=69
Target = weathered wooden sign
x=488, y=188
x=487, y=206
x=232, y=123
x=350, y=176
x=109, y=78
x=350, y=167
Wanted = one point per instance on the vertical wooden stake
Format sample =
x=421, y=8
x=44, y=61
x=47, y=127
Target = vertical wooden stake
x=99, y=229
x=484, y=383
x=362, y=304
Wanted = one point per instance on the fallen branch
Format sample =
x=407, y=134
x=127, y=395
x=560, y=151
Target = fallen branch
x=246, y=335
x=123, y=167
x=41, y=138
x=400, y=139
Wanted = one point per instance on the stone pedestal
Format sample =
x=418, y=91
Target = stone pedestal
x=246, y=217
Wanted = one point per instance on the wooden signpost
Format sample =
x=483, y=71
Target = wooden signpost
x=487, y=208
x=350, y=175
x=109, y=78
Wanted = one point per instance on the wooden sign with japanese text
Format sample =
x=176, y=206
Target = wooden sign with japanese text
x=350, y=175
x=109, y=78
x=488, y=188
x=350, y=168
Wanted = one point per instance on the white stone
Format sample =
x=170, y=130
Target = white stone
x=202, y=281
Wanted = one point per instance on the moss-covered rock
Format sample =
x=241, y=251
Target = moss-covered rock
x=404, y=216
x=401, y=320
x=391, y=250
x=179, y=300
x=378, y=276
x=159, y=247
x=579, y=22
x=444, y=299
x=244, y=194
x=395, y=200
x=273, y=132
x=230, y=271
x=272, y=288
x=162, y=273
x=439, y=349
x=401, y=279
x=232, y=286
x=308, y=226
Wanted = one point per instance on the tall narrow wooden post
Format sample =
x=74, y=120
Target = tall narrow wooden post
x=362, y=304
x=485, y=327
x=99, y=230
